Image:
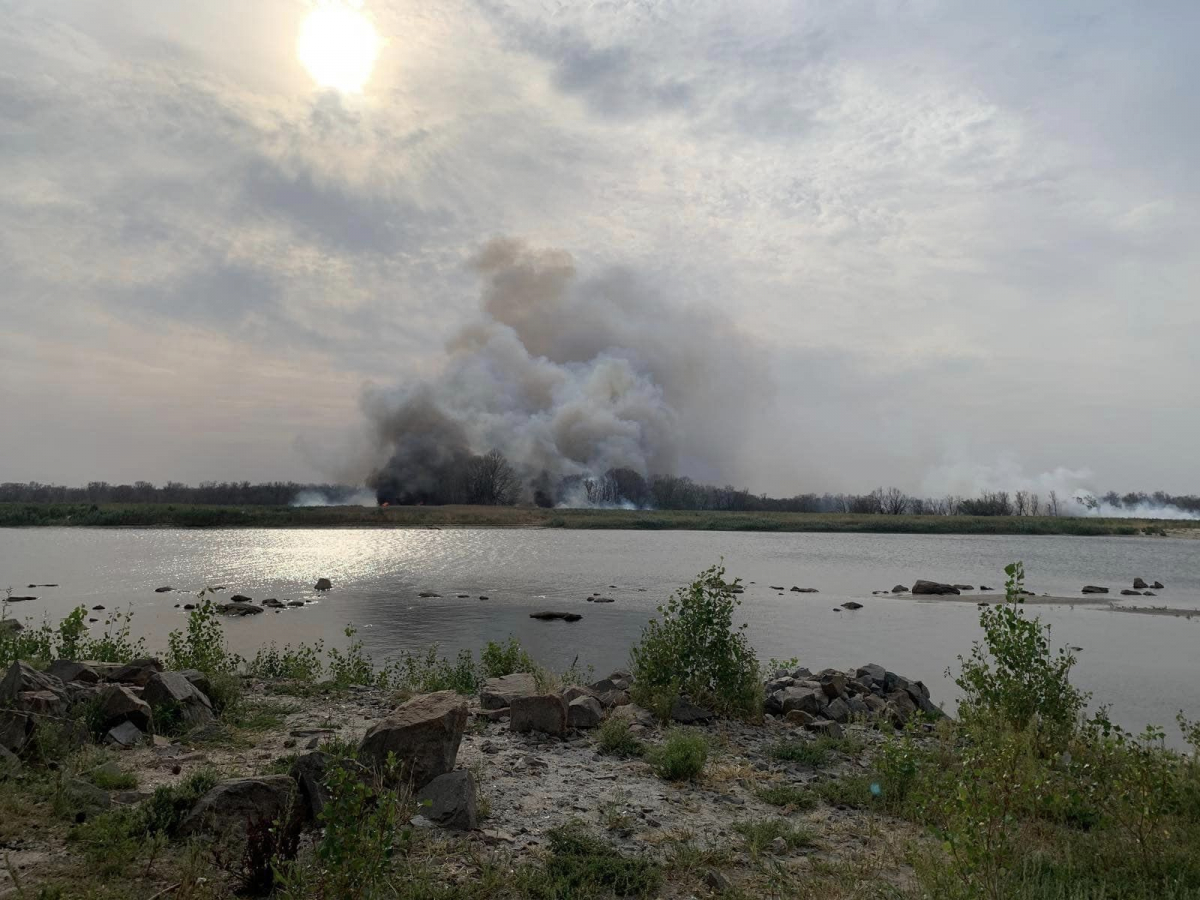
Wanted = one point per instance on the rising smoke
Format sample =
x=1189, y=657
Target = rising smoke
x=569, y=377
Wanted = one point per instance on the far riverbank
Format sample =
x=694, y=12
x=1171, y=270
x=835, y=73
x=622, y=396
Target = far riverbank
x=151, y=515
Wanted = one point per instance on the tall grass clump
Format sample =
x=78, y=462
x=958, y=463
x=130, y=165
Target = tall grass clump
x=694, y=649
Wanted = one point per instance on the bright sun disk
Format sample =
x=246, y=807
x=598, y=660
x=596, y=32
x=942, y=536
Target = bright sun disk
x=338, y=46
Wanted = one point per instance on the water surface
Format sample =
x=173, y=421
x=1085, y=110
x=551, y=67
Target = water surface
x=1147, y=668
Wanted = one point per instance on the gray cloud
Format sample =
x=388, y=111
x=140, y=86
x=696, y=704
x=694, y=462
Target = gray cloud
x=937, y=223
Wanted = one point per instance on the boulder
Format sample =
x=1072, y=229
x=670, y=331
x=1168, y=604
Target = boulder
x=800, y=590
x=124, y=735
x=198, y=680
x=171, y=690
x=902, y=702
x=163, y=590
x=685, y=712
x=984, y=587
x=799, y=717
x=451, y=801
x=312, y=771
x=240, y=598
x=584, y=712
x=1158, y=585
x=136, y=672
x=498, y=693
x=575, y=691
x=1140, y=584
x=22, y=678
x=424, y=734
x=119, y=704
x=965, y=587
x=899, y=589
x=238, y=609
x=548, y=616
x=1149, y=594
x=233, y=807
x=872, y=673
x=67, y=670
x=1094, y=589
x=83, y=798
x=428, y=594
x=1128, y=593
x=809, y=700
x=825, y=728
x=41, y=703
x=9, y=627
x=852, y=604
x=612, y=699
x=323, y=584
x=834, y=685
x=543, y=712
x=838, y=710
x=16, y=728
x=934, y=588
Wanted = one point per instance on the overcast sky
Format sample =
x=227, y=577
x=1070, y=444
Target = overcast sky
x=963, y=238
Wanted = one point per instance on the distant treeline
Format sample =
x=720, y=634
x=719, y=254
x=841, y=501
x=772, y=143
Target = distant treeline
x=492, y=482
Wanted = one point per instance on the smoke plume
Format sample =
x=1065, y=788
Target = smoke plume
x=568, y=377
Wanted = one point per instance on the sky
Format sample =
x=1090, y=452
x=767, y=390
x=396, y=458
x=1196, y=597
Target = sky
x=959, y=240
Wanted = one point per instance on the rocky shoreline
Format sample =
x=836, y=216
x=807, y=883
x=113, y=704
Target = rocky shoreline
x=497, y=771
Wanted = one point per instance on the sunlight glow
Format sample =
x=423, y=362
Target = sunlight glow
x=338, y=46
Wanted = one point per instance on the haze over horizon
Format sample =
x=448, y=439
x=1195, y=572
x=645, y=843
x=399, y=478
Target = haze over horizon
x=921, y=243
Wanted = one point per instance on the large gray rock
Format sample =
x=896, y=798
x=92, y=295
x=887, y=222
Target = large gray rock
x=498, y=693
x=575, y=691
x=119, y=704
x=1094, y=589
x=136, y=672
x=68, y=670
x=1140, y=584
x=838, y=710
x=124, y=735
x=833, y=684
x=323, y=584
x=199, y=680
x=933, y=587
x=451, y=800
x=16, y=728
x=584, y=712
x=234, y=806
x=685, y=712
x=424, y=734
x=9, y=627
x=543, y=712
x=171, y=691
x=22, y=678
x=312, y=771
x=806, y=699
x=899, y=589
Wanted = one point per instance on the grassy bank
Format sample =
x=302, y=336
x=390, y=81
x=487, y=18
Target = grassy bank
x=151, y=515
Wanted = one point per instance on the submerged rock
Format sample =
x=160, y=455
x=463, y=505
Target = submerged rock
x=323, y=584
x=549, y=616
x=1094, y=589
x=933, y=588
x=1139, y=584
x=851, y=604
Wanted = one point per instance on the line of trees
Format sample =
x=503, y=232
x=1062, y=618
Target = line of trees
x=489, y=479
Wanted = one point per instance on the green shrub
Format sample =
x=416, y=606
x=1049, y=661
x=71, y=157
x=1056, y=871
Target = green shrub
x=614, y=738
x=202, y=645
x=681, y=757
x=300, y=664
x=1013, y=677
x=787, y=795
x=695, y=649
x=761, y=833
x=807, y=753
x=499, y=659
x=582, y=867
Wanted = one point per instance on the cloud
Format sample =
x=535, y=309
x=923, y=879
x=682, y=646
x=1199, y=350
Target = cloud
x=939, y=223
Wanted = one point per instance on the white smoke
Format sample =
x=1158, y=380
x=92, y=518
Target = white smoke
x=569, y=378
x=1073, y=489
x=323, y=498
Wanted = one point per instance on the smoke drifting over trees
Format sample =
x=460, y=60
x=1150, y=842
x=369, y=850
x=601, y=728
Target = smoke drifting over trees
x=569, y=379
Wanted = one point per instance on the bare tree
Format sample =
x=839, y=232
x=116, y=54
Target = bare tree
x=1035, y=505
x=491, y=481
x=1053, y=505
x=893, y=501
x=1021, y=501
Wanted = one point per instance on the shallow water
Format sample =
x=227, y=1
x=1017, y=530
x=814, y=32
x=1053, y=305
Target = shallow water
x=1146, y=667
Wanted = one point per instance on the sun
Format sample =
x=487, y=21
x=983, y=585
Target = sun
x=338, y=46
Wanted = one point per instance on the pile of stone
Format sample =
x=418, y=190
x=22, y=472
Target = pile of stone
x=126, y=700
x=825, y=701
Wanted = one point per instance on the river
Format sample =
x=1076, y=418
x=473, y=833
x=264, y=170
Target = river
x=1147, y=668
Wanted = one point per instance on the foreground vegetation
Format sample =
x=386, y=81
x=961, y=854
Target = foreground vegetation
x=1025, y=794
x=155, y=515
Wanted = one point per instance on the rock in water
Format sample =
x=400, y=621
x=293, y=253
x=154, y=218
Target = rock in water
x=543, y=712
x=1158, y=585
x=424, y=734
x=965, y=587
x=452, y=801
x=548, y=616
x=499, y=692
x=323, y=584
x=851, y=604
x=933, y=587
x=1139, y=584
x=800, y=590
x=899, y=589
x=1094, y=589
x=163, y=590
x=1128, y=593
x=238, y=609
